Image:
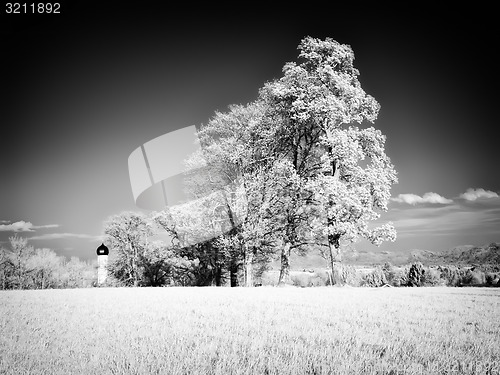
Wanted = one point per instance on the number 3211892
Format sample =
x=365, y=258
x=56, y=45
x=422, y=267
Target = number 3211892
x=17, y=8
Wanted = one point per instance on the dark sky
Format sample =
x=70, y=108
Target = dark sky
x=82, y=89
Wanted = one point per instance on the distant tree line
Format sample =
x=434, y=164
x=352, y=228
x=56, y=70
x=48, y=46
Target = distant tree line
x=24, y=267
x=412, y=275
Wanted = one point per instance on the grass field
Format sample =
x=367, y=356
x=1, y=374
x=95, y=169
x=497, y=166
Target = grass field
x=251, y=331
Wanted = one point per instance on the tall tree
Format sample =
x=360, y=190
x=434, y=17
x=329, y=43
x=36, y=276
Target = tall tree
x=287, y=213
x=6, y=266
x=128, y=235
x=235, y=158
x=21, y=254
x=77, y=274
x=45, y=264
x=345, y=168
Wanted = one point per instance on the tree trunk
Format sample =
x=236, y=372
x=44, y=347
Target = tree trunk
x=285, y=264
x=248, y=264
x=334, y=247
x=20, y=274
x=233, y=274
x=218, y=276
x=328, y=266
x=334, y=239
x=133, y=251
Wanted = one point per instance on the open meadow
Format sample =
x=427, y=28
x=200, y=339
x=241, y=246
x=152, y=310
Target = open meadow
x=265, y=330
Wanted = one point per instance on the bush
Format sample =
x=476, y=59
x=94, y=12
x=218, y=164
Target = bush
x=456, y=276
x=400, y=277
x=489, y=277
x=269, y=278
x=473, y=277
x=432, y=277
x=300, y=279
x=317, y=280
x=343, y=275
x=348, y=275
x=375, y=278
x=310, y=279
x=389, y=272
x=322, y=277
x=451, y=275
x=416, y=276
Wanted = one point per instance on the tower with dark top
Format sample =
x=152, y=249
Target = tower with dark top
x=102, y=262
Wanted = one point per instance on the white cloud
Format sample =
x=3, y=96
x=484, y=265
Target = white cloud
x=56, y=236
x=414, y=199
x=473, y=194
x=22, y=226
x=18, y=226
x=46, y=226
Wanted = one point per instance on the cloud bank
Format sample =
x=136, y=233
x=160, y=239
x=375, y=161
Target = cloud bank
x=413, y=199
x=22, y=226
x=470, y=195
x=56, y=236
x=473, y=194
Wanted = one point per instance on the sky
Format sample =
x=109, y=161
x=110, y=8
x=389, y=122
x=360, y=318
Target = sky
x=81, y=90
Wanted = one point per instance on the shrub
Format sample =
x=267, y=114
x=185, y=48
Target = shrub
x=269, y=278
x=324, y=276
x=456, y=276
x=489, y=277
x=348, y=275
x=473, y=277
x=432, y=277
x=300, y=279
x=317, y=280
x=416, y=276
x=389, y=272
x=451, y=275
x=400, y=277
x=375, y=278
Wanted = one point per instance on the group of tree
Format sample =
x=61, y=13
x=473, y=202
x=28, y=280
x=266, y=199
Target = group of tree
x=412, y=275
x=134, y=260
x=418, y=275
x=299, y=168
x=24, y=267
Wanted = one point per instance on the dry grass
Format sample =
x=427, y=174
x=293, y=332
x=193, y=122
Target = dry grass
x=251, y=331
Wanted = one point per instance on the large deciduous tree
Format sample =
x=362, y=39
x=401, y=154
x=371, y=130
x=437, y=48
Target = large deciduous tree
x=235, y=166
x=128, y=234
x=347, y=173
x=45, y=265
x=20, y=259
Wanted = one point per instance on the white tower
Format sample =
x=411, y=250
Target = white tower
x=102, y=262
